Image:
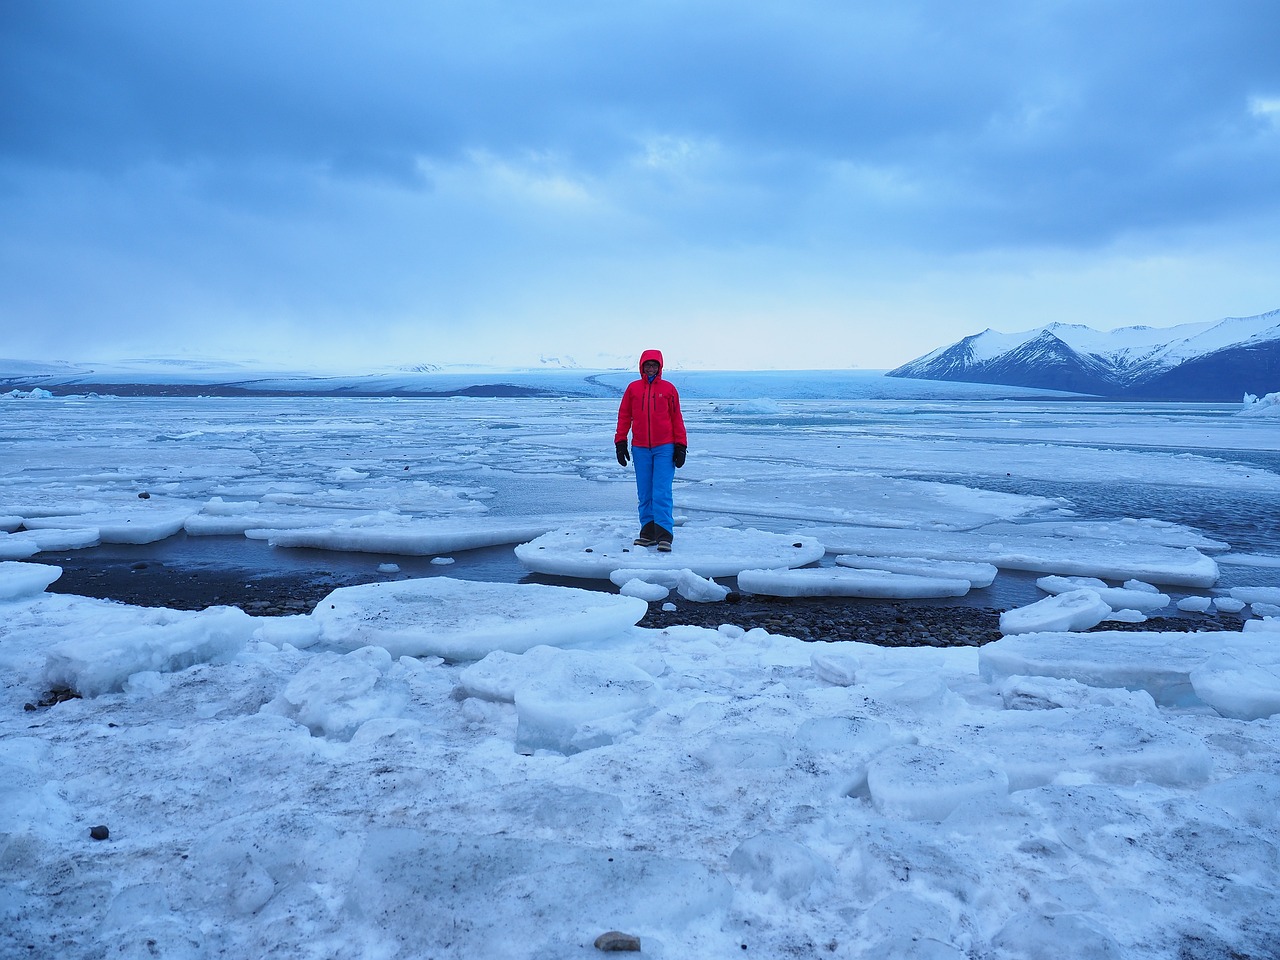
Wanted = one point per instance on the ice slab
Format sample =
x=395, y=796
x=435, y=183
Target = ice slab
x=1159, y=663
x=773, y=863
x=408, y=537
x=843, y=582
x=334, y=695
x=1114, y=559
x=153, y=521
x=978, y=574
x=1099, y=742
x=1253, y=595
x=160, y=640
x=575, y=701
x=860, y=498
x=646, y=591
x=464, y=620
x=1144, y=600
x=596, y=549
x=917, y=782
x=1242, y=687
x=15, y=546
x=685, y=582
x=21, y=580
x=1073, y=610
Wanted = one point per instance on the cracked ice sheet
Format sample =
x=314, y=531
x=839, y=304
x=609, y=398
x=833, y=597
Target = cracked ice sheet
x=852, y=498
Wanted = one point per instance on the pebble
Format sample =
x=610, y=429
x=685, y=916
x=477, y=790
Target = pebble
x=99, y=832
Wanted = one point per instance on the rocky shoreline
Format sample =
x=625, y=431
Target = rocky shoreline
x=883, y=623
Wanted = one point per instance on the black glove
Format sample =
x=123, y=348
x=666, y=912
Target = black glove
x=621, y=449
x=677, y=455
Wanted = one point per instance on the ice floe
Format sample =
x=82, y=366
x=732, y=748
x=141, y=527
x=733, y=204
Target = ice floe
x=462, y=620
x=1107, y=559
x=596, y=550
x=844, y=582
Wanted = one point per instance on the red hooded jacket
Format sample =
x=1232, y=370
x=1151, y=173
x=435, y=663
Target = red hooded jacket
x=651, y=411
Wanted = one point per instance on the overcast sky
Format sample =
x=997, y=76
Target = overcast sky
x=741, y=184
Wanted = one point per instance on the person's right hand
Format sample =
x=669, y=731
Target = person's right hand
x=621, y=449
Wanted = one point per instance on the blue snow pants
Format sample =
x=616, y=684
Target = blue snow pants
x=655, y=471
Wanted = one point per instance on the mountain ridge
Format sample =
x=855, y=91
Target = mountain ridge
x=1210, y=361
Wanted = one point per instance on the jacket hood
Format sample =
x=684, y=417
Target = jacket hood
x=651, y=355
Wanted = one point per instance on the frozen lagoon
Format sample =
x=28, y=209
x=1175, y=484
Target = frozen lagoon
x=269, y=791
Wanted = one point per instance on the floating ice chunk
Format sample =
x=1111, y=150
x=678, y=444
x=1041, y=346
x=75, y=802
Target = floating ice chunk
x=497, y=675
x=596, y=550
x=463, y=620
x=164, y=640
x=1074, y=610
x=843, y=582
x=1256, y=594
x=578, y=701
x=1266, y=625
x=1108, y=743
x=914, y=782
x=333, y=695
x=1196, y=604
x=1265, y=406
x=978, y=574
x=70, y=538
x=685, y=582
x=388, y=568
x=1110, y=559
x=16, y=546
x=442, y=561
x=408, y=537
x=1125, y=616
x=1050, y=693
x=346, y=474
x=157, y=520
x=1159, y=663
x=669, y=608
x=21, y=580
x=1265, y=609
x=835, y=667
x=1242, y=689
x=1144, y=599
x=649, y=592
x=9, y=524
x=760, y=405
x=772, y=863
x=1228, y=604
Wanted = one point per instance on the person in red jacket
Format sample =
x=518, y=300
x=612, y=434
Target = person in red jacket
x=650, y=412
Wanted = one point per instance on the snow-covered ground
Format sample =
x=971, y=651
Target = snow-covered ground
x=446, y=768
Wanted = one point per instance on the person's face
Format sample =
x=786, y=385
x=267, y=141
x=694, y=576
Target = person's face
x=650, y=368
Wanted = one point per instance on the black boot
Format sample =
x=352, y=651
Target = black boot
x=663, y=536
x=648, y=535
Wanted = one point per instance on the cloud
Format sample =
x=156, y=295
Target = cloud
x=428, y=165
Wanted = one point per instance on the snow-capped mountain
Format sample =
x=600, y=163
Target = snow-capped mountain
x=1215, y=361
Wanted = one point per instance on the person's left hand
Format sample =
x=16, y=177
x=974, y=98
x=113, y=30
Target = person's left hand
x=677, y=455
